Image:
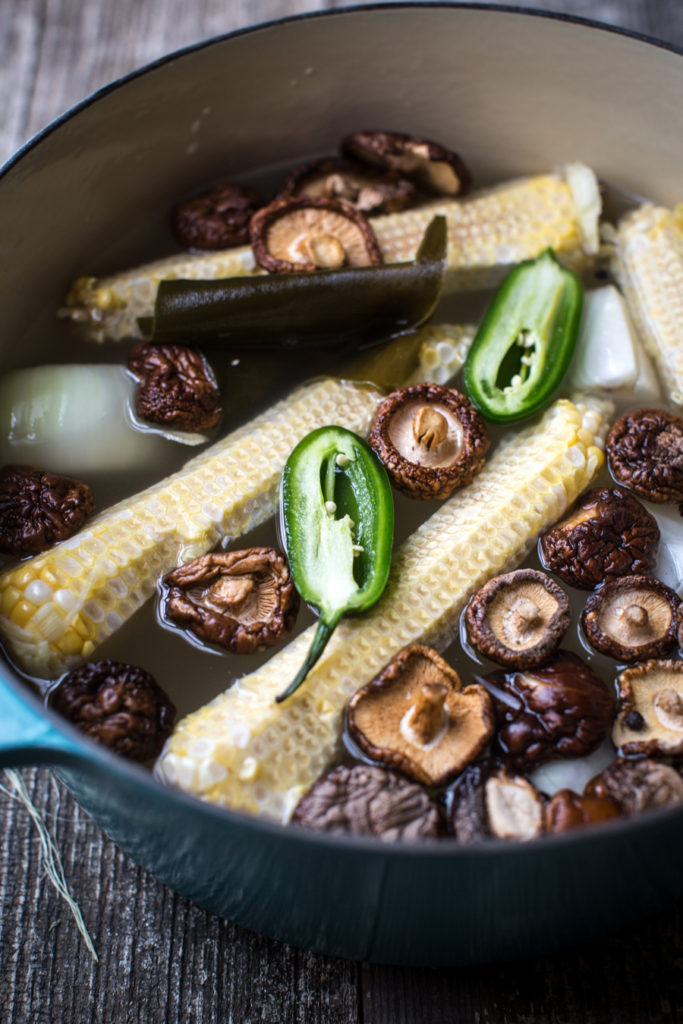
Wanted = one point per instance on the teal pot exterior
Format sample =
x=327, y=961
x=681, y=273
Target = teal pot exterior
x=526, y=93
x=401, y=904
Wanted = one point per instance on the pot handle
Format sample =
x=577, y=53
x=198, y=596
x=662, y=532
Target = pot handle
x=28, y=734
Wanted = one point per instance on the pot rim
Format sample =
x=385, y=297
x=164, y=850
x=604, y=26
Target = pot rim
x=84, y=751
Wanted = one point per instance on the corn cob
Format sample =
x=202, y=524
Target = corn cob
x=57, y=607
x=244, y=751
x=487, y=234
x=648, y=266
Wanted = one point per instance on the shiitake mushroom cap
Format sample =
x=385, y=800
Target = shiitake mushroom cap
x=417, y=717
x=632, y=617
x=312, y=233
x=434, y=168
x=607, y=534
x=649, y=718
x=430, y=439
x=645, y=453
x=518, y=619
x=368, y=189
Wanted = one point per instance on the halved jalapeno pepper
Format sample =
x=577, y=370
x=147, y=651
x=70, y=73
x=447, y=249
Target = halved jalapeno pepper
x=337, y=517
x=526, y=340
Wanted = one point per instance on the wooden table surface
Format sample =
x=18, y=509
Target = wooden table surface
x=163, y=960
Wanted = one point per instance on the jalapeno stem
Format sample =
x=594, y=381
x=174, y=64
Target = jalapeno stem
x=322, y=635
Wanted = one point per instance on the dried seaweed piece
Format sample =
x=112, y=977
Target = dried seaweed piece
x=637, y=786
x=217, y=219
x=119, y=705
x=243, y=601
x=561, y=709
x=416, y=716
x=650, y=709
x=632, y=617
x=609, y=534
x=518, y=619
x=367, y=189
x=567, y=810
x=434, y=168
x=645, y=453
x=38, y=509
x=430, y=439
x=177, y=387
x=490, y=801
x=312, y=234
x=367, y=801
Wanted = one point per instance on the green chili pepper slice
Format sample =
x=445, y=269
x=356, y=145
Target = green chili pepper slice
x=333, y=309
x=526, y=340
x=337, y=518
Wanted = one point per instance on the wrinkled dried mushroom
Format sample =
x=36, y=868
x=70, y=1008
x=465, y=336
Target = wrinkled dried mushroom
x=177, y=387
x=369, y=190
x=367, y=801
x=312, y=234
x=217, y=219
x=608, y=535
x=561, y=709
x=645, y=453
x=650, y=709
x=633, y=617
x=242, y=601
x=567, y=810
x=518, y=619
x=119, y=705
x=489, y=801
x=39, y=509
x=430, y=439
x=415, y=716
x=434, y=168
x=679, y=626
x=637, y=785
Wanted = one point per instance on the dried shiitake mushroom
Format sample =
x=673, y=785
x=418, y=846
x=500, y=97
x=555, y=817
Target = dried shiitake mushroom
x=608, y=534
x=312, y=234
x=490, y=801
x=368, y=189
x=177, y=387
x=434, y=168
x=430, y=439
x=637, y=785
x=415, y=716
x=645, y=453
x=679, y=626
x=518, y=619
x=567, y=810
x=368, y=801
x=242, y=601
x=561, y=709
x=39, y=509
x=119, y=705
x=217, y=219
x=632, y=617
x=650, y=709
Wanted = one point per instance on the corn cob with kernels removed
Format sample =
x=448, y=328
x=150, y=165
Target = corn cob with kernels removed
x=57, y=607
x=648, y=265
x=245, y=751
x=487, y=234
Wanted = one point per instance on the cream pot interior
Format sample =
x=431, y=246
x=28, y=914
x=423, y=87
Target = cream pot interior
x=515, y=93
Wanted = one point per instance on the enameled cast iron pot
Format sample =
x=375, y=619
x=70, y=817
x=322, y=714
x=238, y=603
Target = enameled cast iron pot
x=515, y=93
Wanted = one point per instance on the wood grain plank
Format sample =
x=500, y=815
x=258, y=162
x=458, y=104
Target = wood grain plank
x=162, y=959
x=632, y=978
